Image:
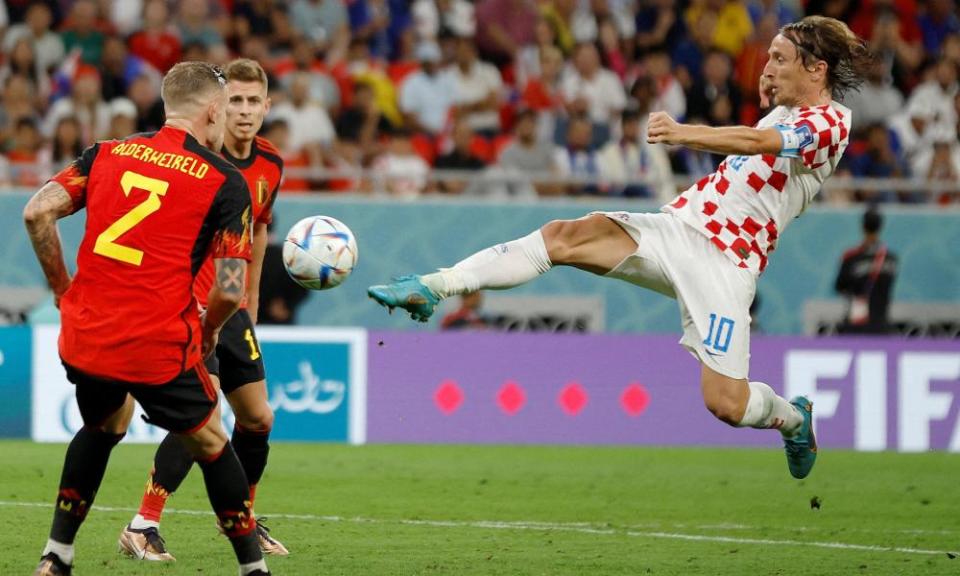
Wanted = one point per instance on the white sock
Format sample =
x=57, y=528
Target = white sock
x=141, y=523
x=498, y=268
x=63, y=551
x=253, y=566
x=767, y=410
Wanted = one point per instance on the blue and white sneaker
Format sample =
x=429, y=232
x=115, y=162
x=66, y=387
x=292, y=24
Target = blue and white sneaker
x=801, y=449
x=409, y=293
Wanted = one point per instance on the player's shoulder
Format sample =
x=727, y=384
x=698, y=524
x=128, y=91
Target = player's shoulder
x=268, y=151
x=853, y=252
x=216, y=161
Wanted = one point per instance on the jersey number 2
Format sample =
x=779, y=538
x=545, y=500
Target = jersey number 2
x=106, y=242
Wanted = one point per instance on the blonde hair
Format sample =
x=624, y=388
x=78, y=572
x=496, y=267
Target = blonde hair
x=190, y=84
x=246, y=70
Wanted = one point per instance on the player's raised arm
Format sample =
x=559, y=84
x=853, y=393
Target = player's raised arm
x=727, y=140
x=40, y=216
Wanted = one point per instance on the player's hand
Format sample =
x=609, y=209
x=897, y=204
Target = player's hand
x=662, y=129
x=209, y=342
x=766, y=92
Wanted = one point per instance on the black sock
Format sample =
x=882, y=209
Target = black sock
x=230, y=497
x=171, y=464
x=252, y=449
x=83, y=469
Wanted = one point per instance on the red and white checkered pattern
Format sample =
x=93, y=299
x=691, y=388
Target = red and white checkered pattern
x=747, y=203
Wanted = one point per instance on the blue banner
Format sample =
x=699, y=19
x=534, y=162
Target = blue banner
x=15, y=371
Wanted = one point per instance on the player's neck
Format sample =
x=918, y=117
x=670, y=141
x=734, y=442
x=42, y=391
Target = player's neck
x=239, y=149
x=185, y=125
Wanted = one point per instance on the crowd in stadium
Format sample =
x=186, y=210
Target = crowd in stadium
x=390, y=95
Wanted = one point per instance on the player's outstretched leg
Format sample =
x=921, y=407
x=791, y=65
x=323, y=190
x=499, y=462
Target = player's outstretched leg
x=140, y=539
x=593, y=243
x=741, y=403
x=251, y=435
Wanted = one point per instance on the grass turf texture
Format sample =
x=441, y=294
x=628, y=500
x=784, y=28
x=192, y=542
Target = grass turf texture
x=523, y=510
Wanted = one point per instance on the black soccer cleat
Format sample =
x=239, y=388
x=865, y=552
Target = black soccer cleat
x=52, y=565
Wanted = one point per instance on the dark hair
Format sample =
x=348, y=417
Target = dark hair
x=830, y=40
x=872, y=220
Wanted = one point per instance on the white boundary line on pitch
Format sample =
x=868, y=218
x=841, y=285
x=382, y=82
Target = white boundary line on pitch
x=578, y=527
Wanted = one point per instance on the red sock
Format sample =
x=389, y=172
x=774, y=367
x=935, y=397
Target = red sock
x=154, y=499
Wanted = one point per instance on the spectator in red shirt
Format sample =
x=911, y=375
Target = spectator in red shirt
x=155, y=43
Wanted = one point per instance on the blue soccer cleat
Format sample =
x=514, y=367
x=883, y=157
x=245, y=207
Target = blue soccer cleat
x=409, y=293
x=801, y=449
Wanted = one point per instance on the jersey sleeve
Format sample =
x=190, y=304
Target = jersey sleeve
x=814, y=137
x=73, y=178
x=230, y=219
x=266, y=215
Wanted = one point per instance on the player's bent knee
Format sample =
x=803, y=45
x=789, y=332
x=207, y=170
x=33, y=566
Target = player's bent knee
x=561, y=238
x=260, y=420
x=724, y=409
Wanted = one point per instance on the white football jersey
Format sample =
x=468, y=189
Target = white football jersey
x=747, y=203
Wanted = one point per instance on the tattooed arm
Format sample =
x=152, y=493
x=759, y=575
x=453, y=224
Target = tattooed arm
x=40, y=216
x=224, y=299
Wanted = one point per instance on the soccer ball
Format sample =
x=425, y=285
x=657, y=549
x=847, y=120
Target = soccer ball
x=319, y=252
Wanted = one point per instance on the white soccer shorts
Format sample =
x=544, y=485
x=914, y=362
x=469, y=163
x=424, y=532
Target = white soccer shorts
x=714, y=294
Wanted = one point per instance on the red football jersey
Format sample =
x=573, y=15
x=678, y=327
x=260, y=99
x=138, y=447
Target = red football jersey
x=158, y=205
x=263, y=170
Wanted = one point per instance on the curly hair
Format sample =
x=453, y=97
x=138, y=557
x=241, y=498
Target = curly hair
x=821, y=38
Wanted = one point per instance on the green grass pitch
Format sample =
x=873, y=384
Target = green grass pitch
x=525, y=510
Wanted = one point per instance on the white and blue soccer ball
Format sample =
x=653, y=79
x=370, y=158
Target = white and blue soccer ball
x=319, y=252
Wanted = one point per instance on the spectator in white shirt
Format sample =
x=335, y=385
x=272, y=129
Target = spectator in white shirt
x=427, y=96
x=47, y=45
x=577, y=158
x=310, y=127
x=591, y=89
x=478, y=88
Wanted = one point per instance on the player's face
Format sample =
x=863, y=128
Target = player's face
x=247, y=104
x=785, y=72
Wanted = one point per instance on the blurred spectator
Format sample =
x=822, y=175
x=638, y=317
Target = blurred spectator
x=594, y=91
x=914, y=130
x=937, y=94
x=937, y=22
x=65, y=145
x=504, y=27
x=254, y=18
x=85, y=103
x=560, y=13
x=627, y=160
x=434, y=18
x=323, y=87
x=477, y=90
x=119, y=68
x=611, y=51
x=22, y=61
x=126, y=16
x=362, y=122
x=876, y=101
x=656, y=161
x=670, y=97
x=878, y=160
x=47, y=45
x=369, y=23
x=155, y=42
x=901, y=54
x=461, y=157
x=400, y=171
x=577, y=159
x=688, y=53
x=749, y=67
x=18, y=103
x=467, y=316
x=196, y=24
x=657, y=25
x=780, y=10
x=81, y=30
x=24, y=155
x=544, y=94
x=145, y=96
x=295, y=161
x=527, y=154
x=527, y=64
x=310, y=127
x=715, y=98
x=866, y=277
x=427, y=96
x=733, y=23
x=123, y=118
x=325, y=23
